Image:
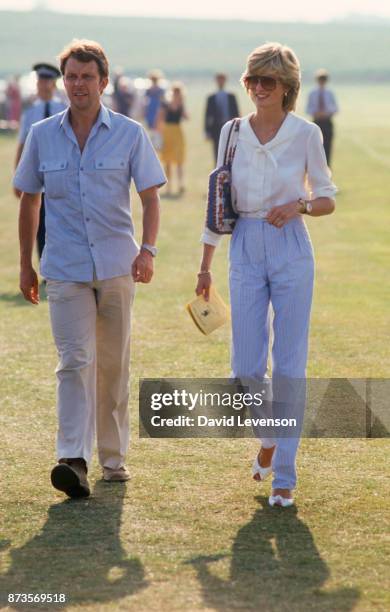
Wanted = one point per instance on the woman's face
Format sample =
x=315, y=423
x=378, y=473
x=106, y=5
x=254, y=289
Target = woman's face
x=265, y=90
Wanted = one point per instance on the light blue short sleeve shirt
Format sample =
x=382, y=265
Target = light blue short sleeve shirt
x=89, y=228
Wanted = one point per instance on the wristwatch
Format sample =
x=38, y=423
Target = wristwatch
x=148, y=247
x=306, y=206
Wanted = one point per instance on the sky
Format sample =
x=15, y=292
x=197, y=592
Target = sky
x=283, y=10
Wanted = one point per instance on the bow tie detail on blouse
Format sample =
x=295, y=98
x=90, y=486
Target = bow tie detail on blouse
x=261, y=150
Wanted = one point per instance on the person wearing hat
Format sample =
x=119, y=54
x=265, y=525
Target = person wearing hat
x=46, y=105
x=220, y=108
x=322, y=105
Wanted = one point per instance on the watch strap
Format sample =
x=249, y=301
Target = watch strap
x=304, y=204
x=149, y=247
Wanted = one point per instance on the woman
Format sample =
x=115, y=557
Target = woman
x=14, y=100
x=173, y=146
x=279, y=173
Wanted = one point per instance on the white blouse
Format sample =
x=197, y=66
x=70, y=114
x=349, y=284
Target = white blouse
x=290, y=166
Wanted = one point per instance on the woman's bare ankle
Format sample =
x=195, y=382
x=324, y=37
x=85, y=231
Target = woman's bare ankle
x=282, y=492
x=265, y=456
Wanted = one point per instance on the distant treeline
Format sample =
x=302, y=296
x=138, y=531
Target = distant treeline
x=352, y=52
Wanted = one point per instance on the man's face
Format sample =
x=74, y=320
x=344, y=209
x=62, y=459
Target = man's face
x=83, y=84
x=46, y=88
x=221, y=80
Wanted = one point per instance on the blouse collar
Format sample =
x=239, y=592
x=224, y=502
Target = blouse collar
x=284, y=133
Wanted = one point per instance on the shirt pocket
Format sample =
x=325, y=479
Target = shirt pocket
x=112, y=174
x=55, y=174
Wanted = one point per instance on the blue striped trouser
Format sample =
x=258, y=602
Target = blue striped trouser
x=271, y=266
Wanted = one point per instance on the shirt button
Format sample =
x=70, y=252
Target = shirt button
x=100, y=165
x=62, y=165
x=83, y=194
x=81, y=168
x=92, y=244
x=87, y=219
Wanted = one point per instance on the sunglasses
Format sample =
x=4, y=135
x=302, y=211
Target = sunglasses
x=267, y=83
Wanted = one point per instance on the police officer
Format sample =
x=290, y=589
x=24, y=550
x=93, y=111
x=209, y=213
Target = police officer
x=46, y=105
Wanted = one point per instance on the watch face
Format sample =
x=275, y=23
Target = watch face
x=309, y=207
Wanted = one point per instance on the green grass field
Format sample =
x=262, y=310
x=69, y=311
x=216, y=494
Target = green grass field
x=192, y=530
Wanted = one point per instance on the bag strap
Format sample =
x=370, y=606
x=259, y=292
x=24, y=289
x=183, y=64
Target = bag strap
x=231, y=143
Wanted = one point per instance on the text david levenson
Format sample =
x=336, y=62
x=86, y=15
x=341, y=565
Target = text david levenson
x=224, y=421
x=210, y=408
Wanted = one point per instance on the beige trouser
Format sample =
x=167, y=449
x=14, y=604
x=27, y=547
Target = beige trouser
x=91, y=328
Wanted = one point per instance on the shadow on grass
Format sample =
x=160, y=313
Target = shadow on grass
x=78, y=552
x=171, y=196
x=274, y=565
x=14, y=298
x=17, y=299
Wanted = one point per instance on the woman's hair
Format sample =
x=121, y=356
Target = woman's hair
x=274, y=59
x=85, y=51
x=178, y=87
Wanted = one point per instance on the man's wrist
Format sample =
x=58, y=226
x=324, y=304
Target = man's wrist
x=26, y=264
x=149, y=248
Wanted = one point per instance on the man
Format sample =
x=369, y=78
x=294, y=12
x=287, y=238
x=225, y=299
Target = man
x=322, y=105
x=85, y=159
x=220, y=108
x=46, y=105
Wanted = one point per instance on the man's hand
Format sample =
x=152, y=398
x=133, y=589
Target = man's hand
x=17, y=192
x=321, y=115
x=142, y=268
x=29, y=285
x=280, y=215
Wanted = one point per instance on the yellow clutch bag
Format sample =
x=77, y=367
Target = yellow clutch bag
x=210, y=315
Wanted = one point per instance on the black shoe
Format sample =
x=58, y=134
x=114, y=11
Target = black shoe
x=70, y=476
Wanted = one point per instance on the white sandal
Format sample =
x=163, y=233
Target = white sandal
x=278, y=500
x=263, y=472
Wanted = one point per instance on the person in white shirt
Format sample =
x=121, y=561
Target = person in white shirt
x=279, y=174
x=322, y=105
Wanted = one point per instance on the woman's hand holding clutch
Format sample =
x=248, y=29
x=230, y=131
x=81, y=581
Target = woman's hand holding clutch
x=204, y=284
